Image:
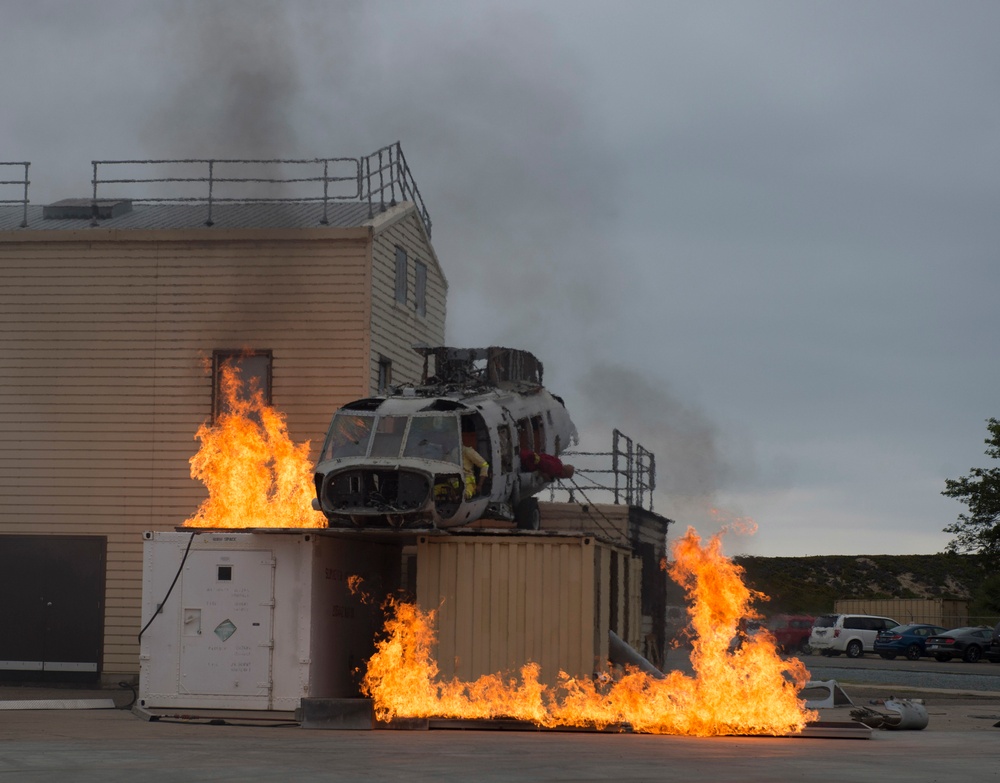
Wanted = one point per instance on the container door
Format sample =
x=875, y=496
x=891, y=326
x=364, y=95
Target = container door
x=52, y=615
x=226, y=617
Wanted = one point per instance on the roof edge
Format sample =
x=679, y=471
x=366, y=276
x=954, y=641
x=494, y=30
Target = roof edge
x=206, y=234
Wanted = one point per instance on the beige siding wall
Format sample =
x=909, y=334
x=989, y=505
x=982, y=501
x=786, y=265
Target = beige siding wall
x=396, y=327
x=103, y=379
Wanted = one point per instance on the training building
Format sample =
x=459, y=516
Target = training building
x=317, y=277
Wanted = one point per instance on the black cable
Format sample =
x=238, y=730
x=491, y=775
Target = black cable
x=159, y=607
x=127, y=685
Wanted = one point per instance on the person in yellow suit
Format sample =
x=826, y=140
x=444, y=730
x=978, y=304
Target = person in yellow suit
x=471, y=460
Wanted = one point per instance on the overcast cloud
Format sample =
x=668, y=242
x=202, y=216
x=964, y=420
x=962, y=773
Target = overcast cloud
x=760, y=238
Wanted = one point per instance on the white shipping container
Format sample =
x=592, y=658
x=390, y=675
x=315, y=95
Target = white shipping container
x=257, y=620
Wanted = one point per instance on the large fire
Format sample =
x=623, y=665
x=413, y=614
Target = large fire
x=255, y=474
x=749, y=690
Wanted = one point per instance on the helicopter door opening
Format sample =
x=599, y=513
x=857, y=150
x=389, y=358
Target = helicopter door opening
x=524, y=438
x=506, y=449
x=538, y=433
x=476, y=435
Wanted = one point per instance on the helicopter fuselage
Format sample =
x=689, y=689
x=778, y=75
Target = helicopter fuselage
x=398, y=461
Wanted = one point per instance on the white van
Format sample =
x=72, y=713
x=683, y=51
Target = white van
x=854, y=634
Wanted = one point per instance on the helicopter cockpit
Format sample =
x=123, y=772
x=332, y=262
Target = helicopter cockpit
x=430, y=436
x=405, y=464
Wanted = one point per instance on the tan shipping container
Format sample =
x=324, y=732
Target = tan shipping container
x=504, y=601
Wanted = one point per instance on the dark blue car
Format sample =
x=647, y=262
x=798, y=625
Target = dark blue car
x=908, y=640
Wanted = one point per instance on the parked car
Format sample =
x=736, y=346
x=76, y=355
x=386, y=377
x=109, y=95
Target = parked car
x=791, y=632
x=854, y=634
x=968, y=643
x=994, y=652
x=908, y=640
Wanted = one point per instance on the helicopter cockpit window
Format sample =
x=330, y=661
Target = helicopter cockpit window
x=349, y=435
x=433, y=437
x=388, y=436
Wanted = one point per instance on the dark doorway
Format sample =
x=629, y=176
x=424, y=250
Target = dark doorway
x=52, y=612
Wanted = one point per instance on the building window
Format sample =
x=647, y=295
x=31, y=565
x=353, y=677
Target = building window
x=254, y=373
x=384, y=374
x=400, y=275
x=421, y=288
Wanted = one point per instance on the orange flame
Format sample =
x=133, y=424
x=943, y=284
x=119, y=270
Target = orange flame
x=255, y=474
x=731, y=523
x=402, y=678
x=747, y=691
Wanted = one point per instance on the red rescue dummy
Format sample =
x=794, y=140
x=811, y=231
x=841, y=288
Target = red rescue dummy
x=550, y=467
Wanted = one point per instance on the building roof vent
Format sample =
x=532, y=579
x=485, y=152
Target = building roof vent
x=86, y=209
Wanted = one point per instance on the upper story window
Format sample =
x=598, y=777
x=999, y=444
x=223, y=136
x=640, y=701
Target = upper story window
x=384, y=374
x=400, y=275
x=254, y=372
x=420, y=302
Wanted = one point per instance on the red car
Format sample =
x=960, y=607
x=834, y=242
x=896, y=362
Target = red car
x=791, y=632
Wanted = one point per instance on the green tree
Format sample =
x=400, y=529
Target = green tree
x=978, y=530
x=985, y=603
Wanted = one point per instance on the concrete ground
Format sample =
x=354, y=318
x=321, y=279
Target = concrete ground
x=84, y=746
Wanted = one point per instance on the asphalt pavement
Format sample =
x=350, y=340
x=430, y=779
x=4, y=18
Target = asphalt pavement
x=91, y=745
x=955, y=675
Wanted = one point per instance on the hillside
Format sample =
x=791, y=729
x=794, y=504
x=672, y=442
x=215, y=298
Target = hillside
x=812, y=584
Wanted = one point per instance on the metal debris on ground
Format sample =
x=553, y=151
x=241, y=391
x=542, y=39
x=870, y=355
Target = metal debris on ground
x=820, y=694
x=902, y=714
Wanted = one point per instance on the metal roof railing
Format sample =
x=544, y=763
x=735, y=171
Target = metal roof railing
x=629, y=476
x=24, y=182
x=392, y=171
x=375, y=179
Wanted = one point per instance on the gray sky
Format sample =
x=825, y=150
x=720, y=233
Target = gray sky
x=758, y=237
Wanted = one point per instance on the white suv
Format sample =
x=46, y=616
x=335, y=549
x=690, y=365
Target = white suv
x=854, y=634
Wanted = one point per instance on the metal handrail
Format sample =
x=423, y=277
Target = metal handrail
x=391, y=170
x=371, y=178
x=23, y=201
x=630, y=478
